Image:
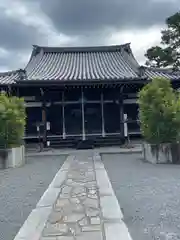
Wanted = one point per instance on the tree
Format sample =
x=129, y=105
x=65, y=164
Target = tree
x=169, y=53
x=12, y=121
x=159, y=112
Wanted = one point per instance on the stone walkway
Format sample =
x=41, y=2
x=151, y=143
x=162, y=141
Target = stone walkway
x=79, y=204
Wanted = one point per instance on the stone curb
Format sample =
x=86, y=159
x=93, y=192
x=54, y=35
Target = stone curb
x=100, y=151
x=114, y=226
x=123, y=151
x=35, y=223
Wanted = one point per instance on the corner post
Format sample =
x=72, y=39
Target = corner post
x=63, y=115
x=44, y=117
x=83, y=118
x=102, y=114
x=121, y=111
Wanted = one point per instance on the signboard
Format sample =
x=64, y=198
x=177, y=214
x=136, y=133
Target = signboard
x=48, y=125
x=125, y=126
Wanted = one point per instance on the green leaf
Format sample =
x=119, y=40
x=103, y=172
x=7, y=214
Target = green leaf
x=169, y=53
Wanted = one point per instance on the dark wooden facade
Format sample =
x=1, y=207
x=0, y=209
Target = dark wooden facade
x=81, y=94
x=79, y=112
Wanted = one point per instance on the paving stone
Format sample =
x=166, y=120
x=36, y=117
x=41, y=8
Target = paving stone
x=82, y=198
x=91, y=203
x=55, y=217
x=64, y=238
x=91, y=228
x=95, y=197
x=74, y=228
x=70, y=209
x=73, y=183
x=66, y=192
x=48, y=238
x=74, y=200
x=92, y=191
x=56, y=229
x=92, y=212
x=58, y=238
x=78, y=190
x=73, y=217
x=95, y=220
x=62, y=203
x=84, y=221
x=91, y=184
x=90, y=236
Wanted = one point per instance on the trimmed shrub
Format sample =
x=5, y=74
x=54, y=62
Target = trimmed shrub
x=12, y=121
x=159, y=112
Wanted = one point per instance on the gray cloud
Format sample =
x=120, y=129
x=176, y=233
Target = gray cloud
x=15, y=35
x=91, y=22
x=78, y=17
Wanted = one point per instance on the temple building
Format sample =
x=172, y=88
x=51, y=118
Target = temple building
x=77, y=95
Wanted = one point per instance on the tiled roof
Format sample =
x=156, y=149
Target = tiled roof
x=84, y=63
x=9, y=77
x=160, y=72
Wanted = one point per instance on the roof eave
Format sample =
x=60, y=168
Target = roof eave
x=81, y=82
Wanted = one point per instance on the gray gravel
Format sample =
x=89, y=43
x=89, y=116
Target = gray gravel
x=149, y=196
x=21, y=189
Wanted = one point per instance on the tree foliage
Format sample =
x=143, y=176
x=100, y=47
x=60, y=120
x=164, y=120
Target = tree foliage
x=159, y=112
x=12, y=121
x=169, y=53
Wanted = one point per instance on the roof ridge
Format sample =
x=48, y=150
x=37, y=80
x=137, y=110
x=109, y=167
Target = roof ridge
x=158, y=69
x=37, y=48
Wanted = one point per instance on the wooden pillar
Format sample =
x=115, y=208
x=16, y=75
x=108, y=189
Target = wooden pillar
x=83, y=119
x=121, y=109
x=17, y=92
x=9, y=89
x=102, y=115
x=44, y=117
x=63, y=115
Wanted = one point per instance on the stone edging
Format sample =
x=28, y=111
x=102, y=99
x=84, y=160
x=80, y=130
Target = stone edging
x=114, y=226
x=112, y=217
x=35, y=223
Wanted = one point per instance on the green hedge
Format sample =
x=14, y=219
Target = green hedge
x=159, y=112
x=12, y=121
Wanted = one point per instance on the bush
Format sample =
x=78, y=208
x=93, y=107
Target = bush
x=12, y=121
x=159, y=112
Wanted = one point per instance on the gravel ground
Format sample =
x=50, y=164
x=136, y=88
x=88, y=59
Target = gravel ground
x=21, y=189
x=149, y=196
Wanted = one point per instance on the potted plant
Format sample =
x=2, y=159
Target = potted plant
x=159, y=113
x=12, y=126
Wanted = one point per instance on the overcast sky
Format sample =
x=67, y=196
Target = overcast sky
x=78, y=23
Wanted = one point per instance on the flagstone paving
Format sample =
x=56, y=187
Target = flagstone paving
x=81, y=205
x=76, y=210
x=76, y=213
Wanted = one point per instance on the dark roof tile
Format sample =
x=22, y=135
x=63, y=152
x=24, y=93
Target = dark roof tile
x=150, y=73
x=83, y=63
x=9, y=77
